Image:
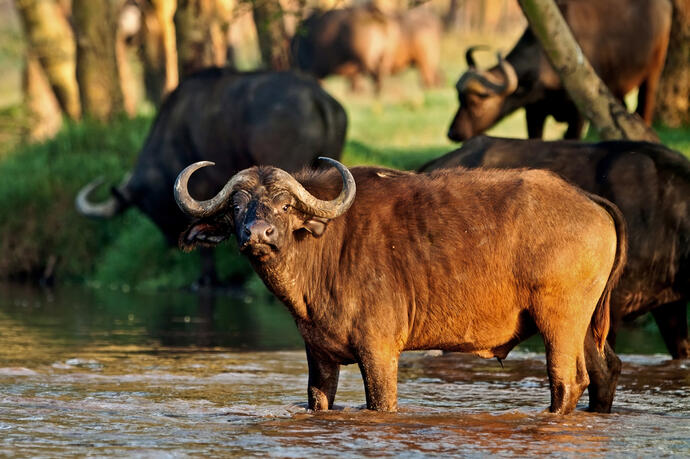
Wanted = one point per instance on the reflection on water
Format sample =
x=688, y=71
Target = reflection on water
x=104, y=373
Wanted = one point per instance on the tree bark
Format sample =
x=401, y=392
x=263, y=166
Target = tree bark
x=44, y=114
x=200, y=41
x=51, y=42
x=591, y=96
x=129, y=17
x=673, y=97
x=97, y=72
x=451, y=19
x=159, y=48
x=270, y=29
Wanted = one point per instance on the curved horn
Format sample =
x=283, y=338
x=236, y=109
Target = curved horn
x=305, y=200
x=474, y=75
x=508, y=86
x=511, y=79
x=195, y=208
x=471, y=63
x=308, y=203
x=106, y=209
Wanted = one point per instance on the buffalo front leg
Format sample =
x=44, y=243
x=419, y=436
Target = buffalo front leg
x=672, y=320
x=603, y=373
x=323, y=382
x=575, y=125
x=536, y=117
x=380, y=374
x=209, y=276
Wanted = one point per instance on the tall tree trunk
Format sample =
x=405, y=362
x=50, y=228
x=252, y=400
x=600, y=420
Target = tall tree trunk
x=673, y=97
x=200, y=42
x=51, y=41
x=44, y=113
x=129, y=19
x=270, y=29
x=97, y=73
x=451, y=20
x=152, y=53
x=158, y=48
x=591, y=96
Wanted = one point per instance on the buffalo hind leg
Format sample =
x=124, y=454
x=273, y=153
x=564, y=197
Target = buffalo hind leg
x=646, y=95
x=323, y=382
x=565, y=362
x=380, y=374
x=672, y=320
x=603, y=371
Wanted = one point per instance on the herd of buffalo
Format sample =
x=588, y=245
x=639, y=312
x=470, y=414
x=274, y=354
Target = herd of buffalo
x=476, y=250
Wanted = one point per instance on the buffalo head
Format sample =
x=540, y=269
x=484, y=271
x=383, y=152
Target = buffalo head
x=263, y=206
x=481, y=95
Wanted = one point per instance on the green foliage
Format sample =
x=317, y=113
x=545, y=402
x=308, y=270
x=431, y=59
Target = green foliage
x=678, y=139
x=37, y=189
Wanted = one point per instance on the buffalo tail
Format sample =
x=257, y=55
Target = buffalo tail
x=601, y=319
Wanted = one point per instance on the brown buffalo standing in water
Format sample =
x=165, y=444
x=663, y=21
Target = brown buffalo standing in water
x=470, y=261
x=624, y=41
x=363, y=40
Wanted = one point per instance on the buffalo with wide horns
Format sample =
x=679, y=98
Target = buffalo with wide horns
x=372, y=262
x=236, y=119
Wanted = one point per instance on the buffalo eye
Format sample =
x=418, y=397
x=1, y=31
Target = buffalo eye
x=286, y=207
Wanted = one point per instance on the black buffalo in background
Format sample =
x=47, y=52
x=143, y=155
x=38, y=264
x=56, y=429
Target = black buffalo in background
x=624, y=41
x=236, y=120
x=650, y=184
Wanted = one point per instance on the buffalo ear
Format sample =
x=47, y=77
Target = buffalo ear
x=205, y=234
x=315, y=225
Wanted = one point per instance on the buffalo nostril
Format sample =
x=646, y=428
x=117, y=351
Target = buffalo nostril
x=269, y=231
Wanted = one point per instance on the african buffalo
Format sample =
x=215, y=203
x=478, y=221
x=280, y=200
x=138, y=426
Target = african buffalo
x=624, y=41
x=650, y=184
x=471, y=261
x=236, y=119
x=363, y=40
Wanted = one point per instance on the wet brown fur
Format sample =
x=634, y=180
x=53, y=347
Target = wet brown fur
x=460, y=260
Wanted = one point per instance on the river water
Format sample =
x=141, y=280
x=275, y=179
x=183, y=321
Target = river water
x=104, y=373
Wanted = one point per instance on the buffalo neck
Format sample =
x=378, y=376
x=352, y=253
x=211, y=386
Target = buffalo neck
x=304, y=266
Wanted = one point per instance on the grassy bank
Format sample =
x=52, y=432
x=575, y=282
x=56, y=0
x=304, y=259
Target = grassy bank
x=403, y=128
